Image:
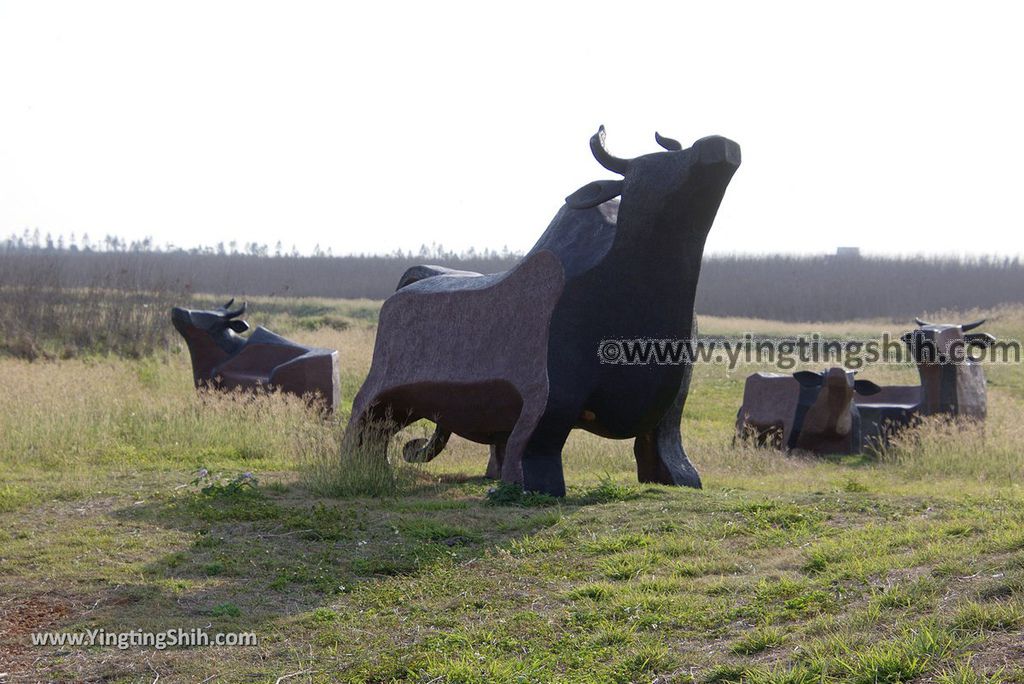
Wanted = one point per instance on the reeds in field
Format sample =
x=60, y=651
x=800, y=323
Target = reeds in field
x=730, y=285
x=120, y=310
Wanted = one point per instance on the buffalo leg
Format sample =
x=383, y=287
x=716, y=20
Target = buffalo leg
x=514, y=447
x=495, y=462
x=542, y=456
x=660, y=457
x=371, y=432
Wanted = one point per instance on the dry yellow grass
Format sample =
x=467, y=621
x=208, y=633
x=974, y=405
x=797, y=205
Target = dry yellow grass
x=82, y=417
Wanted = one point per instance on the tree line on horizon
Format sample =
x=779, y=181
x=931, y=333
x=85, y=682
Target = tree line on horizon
x=35, y=240
x=780, y=287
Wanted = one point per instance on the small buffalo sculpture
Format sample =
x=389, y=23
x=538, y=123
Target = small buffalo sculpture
x=952, y=380
x=510, y=359
x=804, y=410
x=223, y=359
x=827, y=414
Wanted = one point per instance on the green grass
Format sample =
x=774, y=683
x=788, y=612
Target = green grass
x=906, y=567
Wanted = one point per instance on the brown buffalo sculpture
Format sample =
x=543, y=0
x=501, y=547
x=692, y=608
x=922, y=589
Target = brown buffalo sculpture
x=805, y=410
x=223, y=359
x=830, y=413
x=952, y=381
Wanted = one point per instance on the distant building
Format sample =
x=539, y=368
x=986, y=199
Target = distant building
x=848, y=252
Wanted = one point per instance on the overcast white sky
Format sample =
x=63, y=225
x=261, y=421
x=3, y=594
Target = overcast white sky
x=369, y=127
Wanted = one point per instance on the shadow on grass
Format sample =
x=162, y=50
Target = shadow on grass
x=262, y=553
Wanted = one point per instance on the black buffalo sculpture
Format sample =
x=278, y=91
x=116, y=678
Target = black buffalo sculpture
x=223, y=359
x=511, y=359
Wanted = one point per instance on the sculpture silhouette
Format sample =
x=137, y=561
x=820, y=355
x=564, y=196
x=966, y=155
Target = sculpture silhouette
x=511, y=360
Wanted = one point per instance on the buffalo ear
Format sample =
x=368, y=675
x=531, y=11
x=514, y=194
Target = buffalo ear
x=979, y=339
x=866, y=388
x=808, y=378
x=238, y=325
x=592, y=194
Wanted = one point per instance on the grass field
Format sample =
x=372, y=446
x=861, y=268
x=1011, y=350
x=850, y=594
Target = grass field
x=902, y=566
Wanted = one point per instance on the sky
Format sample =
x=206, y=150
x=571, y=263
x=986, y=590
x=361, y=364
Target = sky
x=371, y=127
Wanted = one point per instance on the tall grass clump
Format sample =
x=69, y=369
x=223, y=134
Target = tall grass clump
x=991, y=452
x=357, y=464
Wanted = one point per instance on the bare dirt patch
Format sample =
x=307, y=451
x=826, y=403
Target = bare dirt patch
x=19, y=619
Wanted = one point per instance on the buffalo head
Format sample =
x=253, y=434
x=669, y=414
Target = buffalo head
x=211, y=336
x=827, y=411
x=942, y=343
x=658, y=190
